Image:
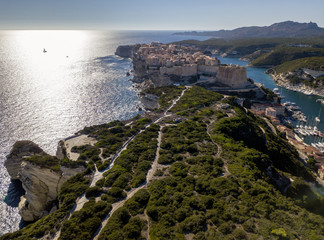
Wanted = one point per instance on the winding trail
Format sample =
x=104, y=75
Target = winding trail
x=99, y=174
x=153, y=168
x=174, y=102
x=96, y=177
x=116, y=206
x=150, y=173
x=101, y=157
x=272, y=128
x=219, y=150
x=132, y=192
x=148, y=225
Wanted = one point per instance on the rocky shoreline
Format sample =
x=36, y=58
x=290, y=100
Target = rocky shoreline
x=284, y=82
x=42, y=181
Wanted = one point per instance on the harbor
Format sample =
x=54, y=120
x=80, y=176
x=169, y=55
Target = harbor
x=306, y=120
x=304, y=108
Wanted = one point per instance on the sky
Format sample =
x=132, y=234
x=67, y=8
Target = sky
x=155, y=15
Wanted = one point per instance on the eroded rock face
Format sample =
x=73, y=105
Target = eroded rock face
x=41, y=184
x=125, y=51
x=20, y=150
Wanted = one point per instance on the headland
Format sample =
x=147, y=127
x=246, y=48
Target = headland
x=198, y=165
x=157, y=64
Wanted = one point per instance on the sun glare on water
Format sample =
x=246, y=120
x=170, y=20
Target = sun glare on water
x=47, y=59
x=45, y=51
x=57, y=43
x=46, y=96
x=47, y=64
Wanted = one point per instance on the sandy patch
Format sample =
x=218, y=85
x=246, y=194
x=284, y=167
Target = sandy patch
x=78, y=140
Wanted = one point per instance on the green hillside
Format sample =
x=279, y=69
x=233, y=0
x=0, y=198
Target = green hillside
x=314, y=63
x=284, y=54
x=217, y=174
x=247, y=46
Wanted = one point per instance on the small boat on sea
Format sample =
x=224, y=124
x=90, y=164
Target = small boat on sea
x=309, y=93
x=295, y=108
x=317, y=119
x=44, y=50
x=320, y=100
x=302, y=132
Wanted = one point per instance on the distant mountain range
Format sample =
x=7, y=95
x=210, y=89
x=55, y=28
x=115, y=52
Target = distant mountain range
x=282, y=29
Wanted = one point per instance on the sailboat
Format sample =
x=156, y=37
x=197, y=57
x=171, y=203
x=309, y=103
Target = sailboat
x=317, y=119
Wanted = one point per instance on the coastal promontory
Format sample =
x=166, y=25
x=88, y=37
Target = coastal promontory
x=41, y=176
x=198, y=165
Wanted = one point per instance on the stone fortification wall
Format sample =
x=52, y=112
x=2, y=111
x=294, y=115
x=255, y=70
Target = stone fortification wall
x=160, y=75
x=232, y=76
x=181, y=71
x=205, y=69
x=229, y=75
x=160, y=80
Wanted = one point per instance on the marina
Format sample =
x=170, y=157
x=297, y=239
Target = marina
x=304, y=107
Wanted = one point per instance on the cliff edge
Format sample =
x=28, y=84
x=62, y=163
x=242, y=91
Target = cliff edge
x=127, y=51
x=41, y=177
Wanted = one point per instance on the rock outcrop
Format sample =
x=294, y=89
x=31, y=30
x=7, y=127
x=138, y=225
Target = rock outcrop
x=126, y=51
x=41, y=184
x=20, y=149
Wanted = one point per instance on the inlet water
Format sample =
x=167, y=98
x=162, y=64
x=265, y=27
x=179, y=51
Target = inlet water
x=308, y=104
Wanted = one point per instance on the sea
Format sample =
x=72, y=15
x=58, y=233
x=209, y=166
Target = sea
x=54, y=83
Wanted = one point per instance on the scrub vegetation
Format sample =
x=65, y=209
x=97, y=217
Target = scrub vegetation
x=222, y=174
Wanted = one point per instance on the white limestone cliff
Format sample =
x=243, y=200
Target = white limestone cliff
x=41, y=184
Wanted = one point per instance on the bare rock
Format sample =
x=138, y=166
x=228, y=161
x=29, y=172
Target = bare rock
x=40, y=183
x=125, y=51
x=61, y=150
x=20, y=150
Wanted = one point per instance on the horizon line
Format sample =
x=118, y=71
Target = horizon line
x=127, y=29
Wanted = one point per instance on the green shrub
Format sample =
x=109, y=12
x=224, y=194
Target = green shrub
x=226, y=228
x=85, y=222
x=116, y=192
x=239, y=234
x=93, y=192
x=138, y=202
x=45, y=161
x=195, y=224
x=249, y=226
